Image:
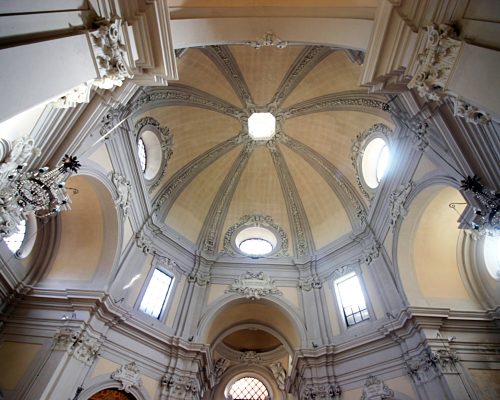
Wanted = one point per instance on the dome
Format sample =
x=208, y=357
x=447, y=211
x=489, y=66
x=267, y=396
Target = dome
x=301, y=176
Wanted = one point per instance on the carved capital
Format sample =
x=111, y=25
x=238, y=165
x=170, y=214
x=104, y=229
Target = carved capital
x=199, y=279
x=179, y=388
x=321, y=392
x=76, y=343
x=469, y=112
x=436, y=62
x=309, y=283
x=110, y=54
x=143, y=242
x=423, y=368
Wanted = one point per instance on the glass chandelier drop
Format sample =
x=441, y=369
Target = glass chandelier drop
x=42, y=192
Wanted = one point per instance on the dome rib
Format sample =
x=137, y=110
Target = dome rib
x=346, y=193
x=181, y=95
x=182, y=178
x=341, y=101
x=222, y=57
x=211, y=231
x=302, y=236
x=303, y=64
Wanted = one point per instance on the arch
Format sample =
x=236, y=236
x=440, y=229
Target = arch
x=88, y=236
x=230, y=311
x=426, y=248
x=236, y=372
x=103, y=382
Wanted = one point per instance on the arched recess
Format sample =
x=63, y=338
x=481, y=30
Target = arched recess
x=240, y=371
x=88, y=236
x=103, y=382
x=428, y=251
x=233, y=311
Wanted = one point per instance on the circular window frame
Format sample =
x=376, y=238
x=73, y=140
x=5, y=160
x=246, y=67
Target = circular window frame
x=488, y=259
x=158, y=143
x=363, y=140
x=261, y=221
x=29, y=237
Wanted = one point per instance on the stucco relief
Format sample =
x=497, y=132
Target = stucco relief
x=254, y=286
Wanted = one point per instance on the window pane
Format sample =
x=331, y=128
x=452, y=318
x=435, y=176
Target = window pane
x=352, y=300
x=248, y=389
x=156, y=293
x=141, y=150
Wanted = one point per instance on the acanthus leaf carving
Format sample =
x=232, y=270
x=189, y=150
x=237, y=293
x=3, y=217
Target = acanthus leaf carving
x=321, y=392
x=199, y=279
x=423, y=368
x=469, y=112
x=176, y=387
x=254, y=286
x=436, y=62
x=129, y=376
x=309, y=283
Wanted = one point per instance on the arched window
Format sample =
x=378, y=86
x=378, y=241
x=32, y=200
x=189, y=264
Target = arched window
x=21, y=243
x=248, y=388
x=492, y=255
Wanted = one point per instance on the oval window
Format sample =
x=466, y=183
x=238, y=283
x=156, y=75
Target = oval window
x=255, y=241
x=375, y=162
x=492, y=255
x=150, y=154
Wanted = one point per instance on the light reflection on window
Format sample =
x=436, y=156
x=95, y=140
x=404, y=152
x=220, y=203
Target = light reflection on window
x=352, y=301
x=156, y=294
x=492, y=255
x=141, y=151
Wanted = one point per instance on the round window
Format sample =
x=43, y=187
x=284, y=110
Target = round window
x=375, y=162
x=492, y=255
x=141, y=151
x=256, y=241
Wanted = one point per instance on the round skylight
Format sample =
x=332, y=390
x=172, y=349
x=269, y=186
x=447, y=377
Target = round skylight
x=255, y=241
x=375, y=162
x=261, y=126
x=492, y=255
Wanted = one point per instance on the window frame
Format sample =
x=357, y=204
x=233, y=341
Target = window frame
x=339, y=276
x=29, y=239
x=248, y=374
x=158, y=265
x=377, y=131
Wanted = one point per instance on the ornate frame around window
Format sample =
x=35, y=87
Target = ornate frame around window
x=165, y=140
x=358, y=150
x=264, y=221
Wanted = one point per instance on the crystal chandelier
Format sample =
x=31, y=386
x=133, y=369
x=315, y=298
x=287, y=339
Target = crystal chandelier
x=42, y=192
x=486, y=217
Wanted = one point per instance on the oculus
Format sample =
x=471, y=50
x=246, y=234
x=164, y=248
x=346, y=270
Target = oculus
x=375, y=162
x=256, y=241
x=492, y=255
x=261, y=126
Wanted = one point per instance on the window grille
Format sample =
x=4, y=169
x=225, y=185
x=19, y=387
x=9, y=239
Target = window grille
x=248, y=388
x=352, y=301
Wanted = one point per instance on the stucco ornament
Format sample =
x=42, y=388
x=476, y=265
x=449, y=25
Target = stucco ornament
x=268, y=40
x=423, y=368
x=179, y=387
x=436, y=62
x=375, y=389
x=220, y=366
x=254, y=286
x=469, y=112
x=77, y=343
x=279, y=374
x=128, y=375
x=110, y=54
x=397, y=202
x=123, y=187
x=321, y=392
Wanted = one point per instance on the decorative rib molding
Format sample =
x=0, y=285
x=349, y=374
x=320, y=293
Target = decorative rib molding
x=182, y=178
x=180, y=95
x=303, y=64
x=303, y=240
x=225, y=61
x=345, y=101
x=333, y=177
x=211, y=231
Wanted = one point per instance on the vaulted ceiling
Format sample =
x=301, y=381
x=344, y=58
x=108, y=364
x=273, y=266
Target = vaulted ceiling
x=303, y=178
